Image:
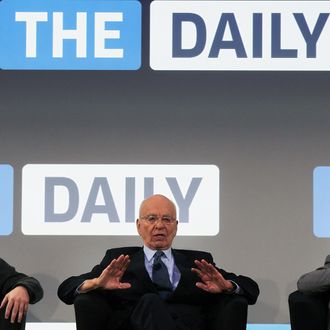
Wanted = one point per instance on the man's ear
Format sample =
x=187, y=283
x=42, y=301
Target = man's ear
x=176, y=228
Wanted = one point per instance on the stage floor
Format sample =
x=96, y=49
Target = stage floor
x=71, y=326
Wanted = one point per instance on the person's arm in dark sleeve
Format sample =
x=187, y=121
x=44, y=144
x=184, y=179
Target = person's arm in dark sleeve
x=67, y=291
x=248, y=287
x=215, y=280
x=33, y=287
x=17, y=292
x=10, y=279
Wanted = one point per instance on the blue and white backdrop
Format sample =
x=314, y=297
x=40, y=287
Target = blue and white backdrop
x=221, y=105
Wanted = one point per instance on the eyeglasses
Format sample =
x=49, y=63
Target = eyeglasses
x=152, y=218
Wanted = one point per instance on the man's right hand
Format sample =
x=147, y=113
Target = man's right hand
x=16, y=302
x=110, y=278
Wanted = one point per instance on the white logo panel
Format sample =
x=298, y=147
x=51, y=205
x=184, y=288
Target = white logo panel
x=104, y=199
x=240, y=35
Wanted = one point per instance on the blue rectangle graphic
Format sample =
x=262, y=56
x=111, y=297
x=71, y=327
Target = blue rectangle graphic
x=321, y=201
x=268, y=327
x=6, y=199
x=70, y=35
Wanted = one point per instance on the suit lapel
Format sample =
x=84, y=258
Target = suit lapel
x=186, y=289
x=183, y=262
x=180, y=260
x=184, y=265
x=137, y=268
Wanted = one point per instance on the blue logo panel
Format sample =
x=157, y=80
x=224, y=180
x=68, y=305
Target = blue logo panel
x=6, y=199
x=321, y=201
x=70, y=35
x=268, y=327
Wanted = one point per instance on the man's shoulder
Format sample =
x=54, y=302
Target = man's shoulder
x=194, y=253
x=123, y=250
x=6, y=268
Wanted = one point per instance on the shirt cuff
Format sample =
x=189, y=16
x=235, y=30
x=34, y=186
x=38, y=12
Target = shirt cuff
x=77, y=290
x=236, y=289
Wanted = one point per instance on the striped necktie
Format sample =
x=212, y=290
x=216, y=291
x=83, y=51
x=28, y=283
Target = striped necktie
x=160, y=276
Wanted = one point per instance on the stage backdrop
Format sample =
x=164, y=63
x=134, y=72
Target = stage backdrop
x=241, y=151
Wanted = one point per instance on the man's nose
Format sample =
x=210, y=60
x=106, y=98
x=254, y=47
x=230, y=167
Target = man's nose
x=159, y=222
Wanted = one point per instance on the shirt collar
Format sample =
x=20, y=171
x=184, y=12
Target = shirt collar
x=149, y=253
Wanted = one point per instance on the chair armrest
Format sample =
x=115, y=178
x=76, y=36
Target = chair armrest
x=6, y=325
x=228, y=312
x=308, y=311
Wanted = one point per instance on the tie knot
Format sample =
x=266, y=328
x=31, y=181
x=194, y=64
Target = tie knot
x=158, y=254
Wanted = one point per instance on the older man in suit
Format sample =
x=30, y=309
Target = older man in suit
x=17, y=291
x=157, y=287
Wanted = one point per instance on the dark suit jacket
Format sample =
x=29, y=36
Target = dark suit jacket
x=136, y=274
x=10, y=278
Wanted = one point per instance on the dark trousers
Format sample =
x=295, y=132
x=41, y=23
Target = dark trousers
x=94, y=311
x=6, y=325
x=308, y=312
x=152, y=313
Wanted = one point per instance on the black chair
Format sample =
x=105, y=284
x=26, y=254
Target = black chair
x=308, y=312
x=93, y=311
x=6, y=325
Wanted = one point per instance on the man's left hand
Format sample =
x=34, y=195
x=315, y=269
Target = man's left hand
x=17, y=303
x=211, y=279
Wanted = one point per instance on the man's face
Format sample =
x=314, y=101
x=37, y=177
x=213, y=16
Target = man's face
x=157, y=224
